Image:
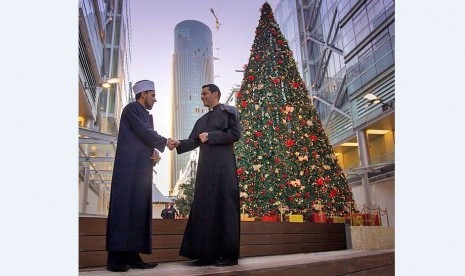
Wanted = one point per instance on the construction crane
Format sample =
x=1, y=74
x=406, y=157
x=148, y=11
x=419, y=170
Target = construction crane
x=217, y=27
x=217, y=22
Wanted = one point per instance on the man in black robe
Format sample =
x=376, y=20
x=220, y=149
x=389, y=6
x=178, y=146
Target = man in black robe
x=212, y=232
x=171, y=213
x=129, y=225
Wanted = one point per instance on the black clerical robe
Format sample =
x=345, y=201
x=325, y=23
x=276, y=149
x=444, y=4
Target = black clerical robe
x=213, y=226
x=129, y=225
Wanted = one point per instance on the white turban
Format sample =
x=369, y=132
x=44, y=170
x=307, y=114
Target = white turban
x=142, y=86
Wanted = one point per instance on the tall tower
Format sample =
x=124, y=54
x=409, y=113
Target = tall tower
x=192, y=68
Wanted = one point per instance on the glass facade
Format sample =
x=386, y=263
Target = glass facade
x=368, y=39
x=104, y=47
x=340, y=48
x=192, y=68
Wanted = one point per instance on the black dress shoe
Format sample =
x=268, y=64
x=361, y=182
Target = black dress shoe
x=202, y=263
x=118, y=267
x=226, y=262
x=143, y=265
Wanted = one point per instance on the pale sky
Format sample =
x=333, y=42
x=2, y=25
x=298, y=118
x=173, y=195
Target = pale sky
x=152, y=49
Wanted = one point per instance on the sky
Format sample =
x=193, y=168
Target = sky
x=152, y=48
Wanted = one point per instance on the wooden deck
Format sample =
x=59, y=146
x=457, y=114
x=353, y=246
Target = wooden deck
x=257, y=239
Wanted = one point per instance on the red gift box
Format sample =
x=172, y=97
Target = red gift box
x=371, y=220
x=270, y=218
x=319, y=218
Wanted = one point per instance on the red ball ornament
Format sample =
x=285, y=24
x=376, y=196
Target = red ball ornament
x=320, y=181
x=251, y=78
x=244, y=104
x=290, y=143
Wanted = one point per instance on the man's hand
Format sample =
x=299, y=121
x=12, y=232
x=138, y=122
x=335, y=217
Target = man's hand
x=203, y=137
x=172, y=143
x=155, y=157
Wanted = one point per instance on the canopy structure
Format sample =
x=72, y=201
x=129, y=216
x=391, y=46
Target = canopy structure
x=158, y=197
x=96, y=157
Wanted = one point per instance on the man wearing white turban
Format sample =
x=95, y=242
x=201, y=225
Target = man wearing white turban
x=129, y=225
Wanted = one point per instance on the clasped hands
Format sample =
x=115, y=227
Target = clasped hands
x=172, y=143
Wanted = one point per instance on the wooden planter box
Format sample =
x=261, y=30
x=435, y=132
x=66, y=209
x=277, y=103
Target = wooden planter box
x=257, y=239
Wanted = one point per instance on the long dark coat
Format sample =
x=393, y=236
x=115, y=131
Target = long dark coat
x=130, y=215
x=213, y=227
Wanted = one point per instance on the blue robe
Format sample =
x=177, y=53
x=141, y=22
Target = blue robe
x=213, y=226
x=130, y=216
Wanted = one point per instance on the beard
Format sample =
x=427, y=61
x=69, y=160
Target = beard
x=148, y=105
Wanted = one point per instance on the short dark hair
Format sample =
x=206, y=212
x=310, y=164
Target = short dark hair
x=213, y=88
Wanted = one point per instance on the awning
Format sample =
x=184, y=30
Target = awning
x=158, y=197
x=96, y=154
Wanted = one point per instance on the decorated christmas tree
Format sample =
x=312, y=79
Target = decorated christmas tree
x=284, y=158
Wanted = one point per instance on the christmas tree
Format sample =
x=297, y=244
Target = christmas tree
x=284, y=157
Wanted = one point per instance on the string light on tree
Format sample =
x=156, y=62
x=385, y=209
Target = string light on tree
x=285, y=160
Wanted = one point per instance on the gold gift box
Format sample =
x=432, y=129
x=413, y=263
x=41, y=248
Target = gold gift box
x=339, y=219
x=295, y=218
x=356, y=220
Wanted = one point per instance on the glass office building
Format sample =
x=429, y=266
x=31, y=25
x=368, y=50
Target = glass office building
x=192, y=68
x=104, y=47
x=345, y=52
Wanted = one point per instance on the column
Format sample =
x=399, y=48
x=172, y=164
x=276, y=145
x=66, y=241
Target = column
x=364, y=154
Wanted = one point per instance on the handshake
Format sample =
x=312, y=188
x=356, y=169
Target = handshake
x=203, y=137
x=172, y=143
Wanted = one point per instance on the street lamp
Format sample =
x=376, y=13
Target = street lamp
x=372, y=98
x=104, y=84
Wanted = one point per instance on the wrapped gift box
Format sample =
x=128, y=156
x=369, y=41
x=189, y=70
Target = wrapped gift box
x=319, y=218
x=371, y=220
x=338, y=219
x=270, y=218
x=295, y=218
x=248, y=219
x=356, y=219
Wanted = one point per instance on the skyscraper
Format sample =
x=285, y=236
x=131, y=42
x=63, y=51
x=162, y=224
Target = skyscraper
x=192, y=68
